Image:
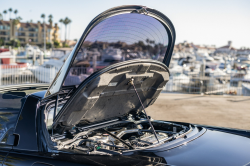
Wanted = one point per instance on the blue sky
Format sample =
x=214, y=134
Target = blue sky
x=201, y=22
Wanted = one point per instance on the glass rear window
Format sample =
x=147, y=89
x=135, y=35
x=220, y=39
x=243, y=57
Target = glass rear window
x=116, y=39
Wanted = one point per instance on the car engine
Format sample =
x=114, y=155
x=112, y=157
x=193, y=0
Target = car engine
x=118, y=136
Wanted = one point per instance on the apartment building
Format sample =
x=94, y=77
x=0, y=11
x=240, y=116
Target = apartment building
x=32, y=33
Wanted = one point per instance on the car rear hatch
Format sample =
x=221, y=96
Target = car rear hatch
x=119, y=44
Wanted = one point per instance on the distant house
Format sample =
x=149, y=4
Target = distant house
x=191, y=48
x=243, y=51
x=32, y=33
x=204, y=48
x=184, y=47
x=228, y=49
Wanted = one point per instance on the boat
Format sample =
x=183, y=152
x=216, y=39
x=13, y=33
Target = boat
x=9, y=66
x=46, y=73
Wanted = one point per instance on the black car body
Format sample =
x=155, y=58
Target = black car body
x=93, y=114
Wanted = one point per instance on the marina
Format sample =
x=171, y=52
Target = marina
x=194, y=69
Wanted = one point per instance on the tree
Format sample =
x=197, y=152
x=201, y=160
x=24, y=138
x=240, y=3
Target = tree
x=48, y=45
x=5, y=12
x=16, y=11
x=61, y=21
x=17, y=20
x=66, y=21
x=43, y=16
x=1, y=42
x=56, y=44
x=10, y=10
x=50, y=18
x=1, y=16
x=14, y=43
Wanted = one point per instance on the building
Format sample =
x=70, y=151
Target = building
x=243, y=51
x=32, y=33
x=227, y=49
x=191, y=48
x=184, y=47
x=204, y=48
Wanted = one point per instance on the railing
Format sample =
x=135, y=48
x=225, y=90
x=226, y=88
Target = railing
x=232, y=85
x=23, y=74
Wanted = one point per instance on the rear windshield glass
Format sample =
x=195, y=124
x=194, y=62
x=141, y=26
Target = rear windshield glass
x=118, y=38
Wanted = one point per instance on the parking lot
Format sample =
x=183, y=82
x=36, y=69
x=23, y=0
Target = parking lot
x=225, y=111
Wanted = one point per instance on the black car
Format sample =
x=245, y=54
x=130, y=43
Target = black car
x=95, y=113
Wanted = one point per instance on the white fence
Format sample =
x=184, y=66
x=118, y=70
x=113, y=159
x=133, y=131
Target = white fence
x=21, y=74
x=233, y=85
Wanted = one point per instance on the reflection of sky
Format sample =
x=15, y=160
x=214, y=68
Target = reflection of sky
x=129, y=28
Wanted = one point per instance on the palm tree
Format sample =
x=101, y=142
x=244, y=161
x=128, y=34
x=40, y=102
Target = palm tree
x=15, y=22
x=1, y=16
x=66, y=21
x=43, y=16
x=10, y=10
x=61, y=21
x=5, y=12
x=50, y=18
x=16, y=11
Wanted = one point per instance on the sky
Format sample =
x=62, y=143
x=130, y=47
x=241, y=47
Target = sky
x=210, y=22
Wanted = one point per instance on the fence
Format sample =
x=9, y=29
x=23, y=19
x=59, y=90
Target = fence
x=22, y=74
x=234, y=84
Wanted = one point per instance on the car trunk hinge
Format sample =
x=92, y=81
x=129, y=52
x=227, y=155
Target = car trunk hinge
x=132, y=83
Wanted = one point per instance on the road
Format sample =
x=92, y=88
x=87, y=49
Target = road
x=224, y=111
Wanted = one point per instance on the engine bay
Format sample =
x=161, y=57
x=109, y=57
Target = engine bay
x=118, y=135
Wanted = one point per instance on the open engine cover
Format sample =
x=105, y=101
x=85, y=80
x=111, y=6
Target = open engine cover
x=106, y=94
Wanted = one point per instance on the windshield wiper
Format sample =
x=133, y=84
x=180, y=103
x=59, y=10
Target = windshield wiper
x=132, y=83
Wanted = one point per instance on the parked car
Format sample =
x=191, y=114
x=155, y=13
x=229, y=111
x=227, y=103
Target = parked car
x=101, y=119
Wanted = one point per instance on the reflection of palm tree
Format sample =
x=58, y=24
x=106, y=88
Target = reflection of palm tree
x=3, y=119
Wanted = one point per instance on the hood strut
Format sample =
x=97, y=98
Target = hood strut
x=132, y=83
